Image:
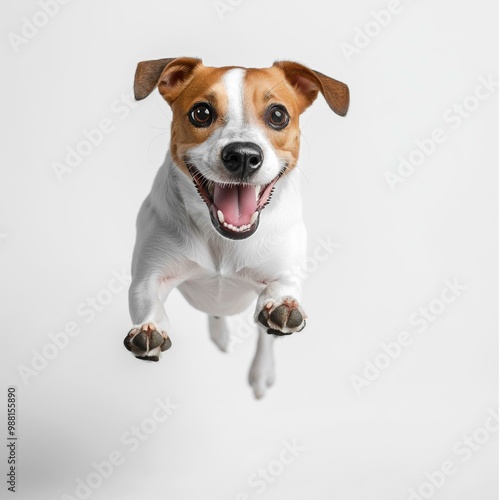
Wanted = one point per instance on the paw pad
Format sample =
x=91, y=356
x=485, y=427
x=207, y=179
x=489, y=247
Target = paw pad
x=282, y=319
x=146, y=342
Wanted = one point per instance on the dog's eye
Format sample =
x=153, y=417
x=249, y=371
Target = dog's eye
x=277, y=117
x=201, y=115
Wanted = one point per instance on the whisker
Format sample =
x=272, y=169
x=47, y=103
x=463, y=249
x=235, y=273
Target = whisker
x=156, y=128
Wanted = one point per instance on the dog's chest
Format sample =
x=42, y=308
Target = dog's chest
x=220, y=283
x=219, y=293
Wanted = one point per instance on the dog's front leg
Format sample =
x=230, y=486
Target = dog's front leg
x=149, y=335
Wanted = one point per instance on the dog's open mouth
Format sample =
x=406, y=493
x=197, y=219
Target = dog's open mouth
x=234, y=208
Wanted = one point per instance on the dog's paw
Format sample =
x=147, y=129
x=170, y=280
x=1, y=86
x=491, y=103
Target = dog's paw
x=282, y=318
x=147, y=341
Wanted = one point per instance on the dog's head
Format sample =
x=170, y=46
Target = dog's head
x=235, y=131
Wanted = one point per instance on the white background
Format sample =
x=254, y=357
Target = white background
x=61, y=241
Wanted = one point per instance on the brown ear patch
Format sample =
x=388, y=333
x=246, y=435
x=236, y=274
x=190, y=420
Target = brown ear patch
x=150, y=74
x=147, y=75
x=336, y=93
x=307, y=83
x=176, y=76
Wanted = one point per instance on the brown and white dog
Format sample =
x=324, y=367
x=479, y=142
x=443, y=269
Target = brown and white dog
x=209, y=226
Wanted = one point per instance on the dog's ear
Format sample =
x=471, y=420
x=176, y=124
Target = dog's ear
x=307, y=83
x=171, y=75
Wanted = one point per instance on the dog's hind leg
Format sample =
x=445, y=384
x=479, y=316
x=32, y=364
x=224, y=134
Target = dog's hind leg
x=219, y=332
x=261, y=375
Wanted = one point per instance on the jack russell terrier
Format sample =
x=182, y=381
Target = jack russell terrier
x=209, y=226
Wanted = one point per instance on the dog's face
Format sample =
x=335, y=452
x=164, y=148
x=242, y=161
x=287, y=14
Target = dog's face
x=235, y=131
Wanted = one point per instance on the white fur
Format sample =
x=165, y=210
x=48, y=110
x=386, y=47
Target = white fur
x=177, y=245
x=233, y=83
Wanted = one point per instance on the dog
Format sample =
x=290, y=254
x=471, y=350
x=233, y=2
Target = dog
x=223, y=221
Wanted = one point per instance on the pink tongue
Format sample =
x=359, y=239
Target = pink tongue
x=237, y=203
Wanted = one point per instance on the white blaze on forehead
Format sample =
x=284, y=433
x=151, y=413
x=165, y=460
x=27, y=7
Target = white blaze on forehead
x=233, y=82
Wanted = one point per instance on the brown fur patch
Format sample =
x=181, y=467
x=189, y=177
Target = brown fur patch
x=267, y=86
x=205, y=86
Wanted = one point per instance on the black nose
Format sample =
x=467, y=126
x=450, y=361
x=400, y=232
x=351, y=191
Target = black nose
x=242, y=158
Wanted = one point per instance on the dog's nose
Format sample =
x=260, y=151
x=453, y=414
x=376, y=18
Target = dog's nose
x=242, y=158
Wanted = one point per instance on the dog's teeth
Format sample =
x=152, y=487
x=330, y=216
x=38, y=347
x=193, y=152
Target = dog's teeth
x=257, y=192
x=221, y=216
x=237, y=229
x=254, y=217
